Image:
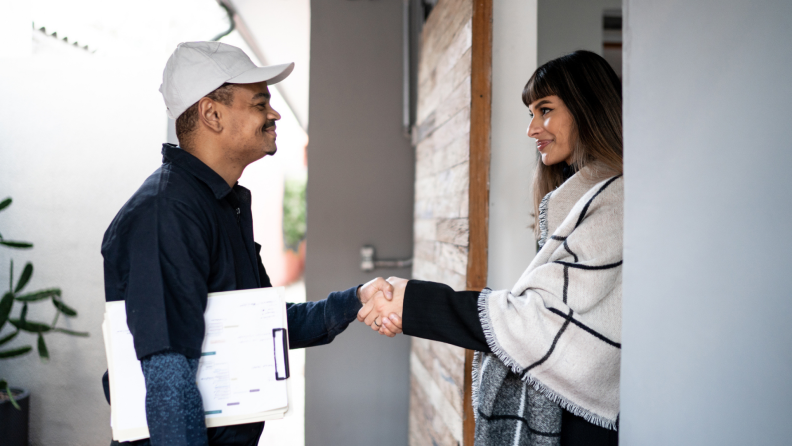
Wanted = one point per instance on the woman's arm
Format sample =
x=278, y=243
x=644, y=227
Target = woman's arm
x=429, y=310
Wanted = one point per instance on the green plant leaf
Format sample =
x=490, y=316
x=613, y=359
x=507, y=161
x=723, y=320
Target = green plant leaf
x=23, y=314
x=9, y=337
x=39, y=295
x=19, y=245
x=63, y=308
x=4, y=386
x=5, y=307
x=5, y=203
x=42, y=349
x=82, y=334
x=27, y=272
x=31, y=327
x=14, y=352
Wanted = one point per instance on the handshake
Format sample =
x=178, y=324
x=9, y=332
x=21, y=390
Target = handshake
x=383, y=301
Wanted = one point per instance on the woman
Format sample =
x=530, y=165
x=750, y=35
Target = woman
x=547, y=367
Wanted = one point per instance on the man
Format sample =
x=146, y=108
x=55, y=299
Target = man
x=188, y=231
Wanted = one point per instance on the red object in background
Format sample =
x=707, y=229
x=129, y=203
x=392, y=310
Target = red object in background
x=293, y=265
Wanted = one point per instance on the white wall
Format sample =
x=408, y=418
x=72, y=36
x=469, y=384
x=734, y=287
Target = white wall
x=707, y=355
x=514, y=44
x=79, y=132
x=77, y=137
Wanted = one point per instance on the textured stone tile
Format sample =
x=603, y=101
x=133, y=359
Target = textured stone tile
x=445, y=413
x=425, y=250
x=425, y=230
x=451, y=257
x=424, y=270
x=455, y=231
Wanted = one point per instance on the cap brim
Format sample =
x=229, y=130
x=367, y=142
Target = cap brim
x=271, y=74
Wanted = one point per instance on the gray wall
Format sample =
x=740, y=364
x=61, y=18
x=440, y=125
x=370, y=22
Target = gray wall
x=360, y=191
x=569, y=25
x=707, y=355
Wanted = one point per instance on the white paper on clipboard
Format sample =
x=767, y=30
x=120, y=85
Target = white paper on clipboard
x=243, y=370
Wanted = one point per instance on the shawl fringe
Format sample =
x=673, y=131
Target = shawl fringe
x=543, y=219
x=489, y=334
x=475, y=378
x=587, y=415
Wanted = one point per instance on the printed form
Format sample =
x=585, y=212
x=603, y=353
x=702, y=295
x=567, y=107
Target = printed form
x=242, y=370
x=237, y=371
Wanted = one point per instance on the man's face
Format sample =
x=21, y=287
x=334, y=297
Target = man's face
x=250, y=127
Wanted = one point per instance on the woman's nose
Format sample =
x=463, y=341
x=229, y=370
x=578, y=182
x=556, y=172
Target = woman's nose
x=534, y=129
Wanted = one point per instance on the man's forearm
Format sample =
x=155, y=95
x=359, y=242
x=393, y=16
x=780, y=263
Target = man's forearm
x=318, y=323
x=174, y=409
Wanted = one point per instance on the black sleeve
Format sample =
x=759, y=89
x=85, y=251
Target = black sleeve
x=435, y=311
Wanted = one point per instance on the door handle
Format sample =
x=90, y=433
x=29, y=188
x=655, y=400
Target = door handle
x=369, y=261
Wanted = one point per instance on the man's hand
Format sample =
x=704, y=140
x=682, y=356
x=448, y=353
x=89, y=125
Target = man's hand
x=383, y=315
x=374, y=287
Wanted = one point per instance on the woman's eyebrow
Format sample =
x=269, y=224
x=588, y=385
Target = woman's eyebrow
x=541, y=103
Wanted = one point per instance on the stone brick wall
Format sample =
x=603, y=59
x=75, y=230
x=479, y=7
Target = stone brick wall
x=442, y=138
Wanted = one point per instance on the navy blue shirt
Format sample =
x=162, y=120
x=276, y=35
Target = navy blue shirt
x=186, y=233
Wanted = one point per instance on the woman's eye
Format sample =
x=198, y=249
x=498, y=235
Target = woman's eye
x=545, y=111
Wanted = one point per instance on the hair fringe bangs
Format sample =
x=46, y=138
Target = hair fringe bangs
x=538, y=87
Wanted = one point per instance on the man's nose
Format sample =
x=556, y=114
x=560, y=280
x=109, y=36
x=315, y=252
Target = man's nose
x=275, y=116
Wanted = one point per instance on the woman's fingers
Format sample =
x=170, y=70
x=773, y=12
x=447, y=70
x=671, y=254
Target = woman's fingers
x=391, y=325
x=396, y=320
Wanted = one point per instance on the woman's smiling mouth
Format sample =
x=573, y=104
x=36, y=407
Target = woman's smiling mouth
x=542, y=143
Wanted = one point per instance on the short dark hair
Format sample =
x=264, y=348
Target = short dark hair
x=187, y=122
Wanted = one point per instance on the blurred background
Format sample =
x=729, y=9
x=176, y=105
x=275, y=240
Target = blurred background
x=85, y=129
x=411, y=158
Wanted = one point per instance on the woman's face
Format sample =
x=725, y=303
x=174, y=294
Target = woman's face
x=553, y=128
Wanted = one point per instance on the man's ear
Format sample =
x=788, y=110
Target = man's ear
x=210, y=114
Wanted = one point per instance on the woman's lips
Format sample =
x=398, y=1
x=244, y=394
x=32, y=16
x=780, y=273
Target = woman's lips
x=542, y=143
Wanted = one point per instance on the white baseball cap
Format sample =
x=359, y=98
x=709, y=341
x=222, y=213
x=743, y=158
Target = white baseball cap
x=196, y=69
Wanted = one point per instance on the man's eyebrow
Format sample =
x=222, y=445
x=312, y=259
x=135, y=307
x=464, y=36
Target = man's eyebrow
x=263, y=95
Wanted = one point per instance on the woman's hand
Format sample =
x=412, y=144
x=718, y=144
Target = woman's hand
x=392, y=325
x=384, y=315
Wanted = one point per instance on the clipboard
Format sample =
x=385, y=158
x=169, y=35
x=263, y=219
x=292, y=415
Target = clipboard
x=267, y=399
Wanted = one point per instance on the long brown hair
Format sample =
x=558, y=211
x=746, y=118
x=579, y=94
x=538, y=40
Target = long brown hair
x=591, y=90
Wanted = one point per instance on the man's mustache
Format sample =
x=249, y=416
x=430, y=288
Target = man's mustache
x=268, y=125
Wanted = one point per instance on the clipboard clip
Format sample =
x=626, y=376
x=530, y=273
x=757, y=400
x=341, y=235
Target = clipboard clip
x=280, y=340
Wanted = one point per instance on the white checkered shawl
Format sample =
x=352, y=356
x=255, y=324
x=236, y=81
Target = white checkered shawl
x=559, y=328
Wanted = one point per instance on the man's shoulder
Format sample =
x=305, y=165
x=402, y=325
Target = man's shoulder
x=166, y=189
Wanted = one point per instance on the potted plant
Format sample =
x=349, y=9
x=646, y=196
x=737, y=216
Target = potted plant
x=14, y=402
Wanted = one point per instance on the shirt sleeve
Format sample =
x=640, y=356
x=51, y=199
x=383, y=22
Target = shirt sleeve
x=169, y=266
x=174, y=409
x=436, y=312
x=318, y=323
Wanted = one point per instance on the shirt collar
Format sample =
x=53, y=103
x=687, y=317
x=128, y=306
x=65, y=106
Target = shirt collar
x=197, y=168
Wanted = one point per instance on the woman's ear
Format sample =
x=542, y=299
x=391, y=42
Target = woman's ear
x=209, y=114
